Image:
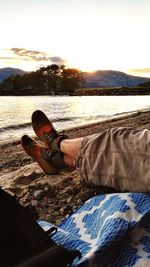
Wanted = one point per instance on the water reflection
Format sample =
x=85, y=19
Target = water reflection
x=67, y=112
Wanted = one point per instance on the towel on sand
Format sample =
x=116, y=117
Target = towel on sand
x=109, y=230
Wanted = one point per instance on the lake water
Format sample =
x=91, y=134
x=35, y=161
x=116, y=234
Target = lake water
x=65, y=111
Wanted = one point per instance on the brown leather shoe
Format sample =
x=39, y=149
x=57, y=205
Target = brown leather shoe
x=45, y=130
x=40, y=153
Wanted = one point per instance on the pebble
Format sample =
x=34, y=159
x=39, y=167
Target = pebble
x=39, y=194
x=46, y=188
x=62, y=211
x=69, y=199
x=34, y=203
x=79, y=201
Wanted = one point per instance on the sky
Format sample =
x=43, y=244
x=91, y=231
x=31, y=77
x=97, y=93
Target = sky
x=85, y=34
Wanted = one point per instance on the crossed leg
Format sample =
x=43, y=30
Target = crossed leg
x=117, y=157
x=70, y=149
x=56, y=151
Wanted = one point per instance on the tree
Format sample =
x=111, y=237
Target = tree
x=6, y=86
x=46, y=80
x=53, y=74
x=71, y=79
x=50, y=76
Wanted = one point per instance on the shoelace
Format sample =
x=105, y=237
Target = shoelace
x=51, y=140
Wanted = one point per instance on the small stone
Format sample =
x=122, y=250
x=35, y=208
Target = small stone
x=63, y=201
x=69, y=190
x=62, y=211
x=69, y=199
x=79, y=201
x=34, y=203
x=46, y=188
x=39, y=194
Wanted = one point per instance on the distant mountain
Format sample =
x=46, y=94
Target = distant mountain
x=145, y=84
x=6, y=72
x=111, y=78
x=99, y=78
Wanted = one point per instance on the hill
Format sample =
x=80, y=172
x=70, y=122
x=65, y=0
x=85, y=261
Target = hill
x=6, y=72
x=145, y=84
x=97, y=79
x=111, y=78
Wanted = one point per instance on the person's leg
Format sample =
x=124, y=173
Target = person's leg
x=70, y=149
x=118, y=158
x=54, y=140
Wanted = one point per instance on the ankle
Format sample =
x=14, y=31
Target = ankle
x=69, y=161
x=62, y=144
x=60, y=139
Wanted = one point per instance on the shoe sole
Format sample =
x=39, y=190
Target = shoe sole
x=44, y=125
x=46, y=167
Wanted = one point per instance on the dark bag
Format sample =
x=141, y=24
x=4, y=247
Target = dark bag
x=23, y=243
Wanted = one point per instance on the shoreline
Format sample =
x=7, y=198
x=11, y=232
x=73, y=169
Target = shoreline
x=117, y=116
x=20, y=175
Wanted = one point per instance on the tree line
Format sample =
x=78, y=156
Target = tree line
x=52, y=80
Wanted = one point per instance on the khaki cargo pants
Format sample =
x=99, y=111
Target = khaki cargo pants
x=117, y=157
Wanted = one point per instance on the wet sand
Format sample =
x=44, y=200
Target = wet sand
x=55, y=196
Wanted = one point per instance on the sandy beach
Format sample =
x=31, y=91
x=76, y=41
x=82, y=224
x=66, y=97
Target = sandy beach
x=55, y=196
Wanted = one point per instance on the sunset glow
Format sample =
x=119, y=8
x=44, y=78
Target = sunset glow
x=85, y=34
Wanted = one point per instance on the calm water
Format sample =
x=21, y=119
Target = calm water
x=65, y=112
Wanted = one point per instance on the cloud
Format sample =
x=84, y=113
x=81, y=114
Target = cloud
x=36, y=56
x=29, y=54
x=12, y=58
x=144, y=70
x=57, y=60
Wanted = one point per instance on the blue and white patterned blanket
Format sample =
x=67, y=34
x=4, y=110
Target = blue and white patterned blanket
x=109, y=230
